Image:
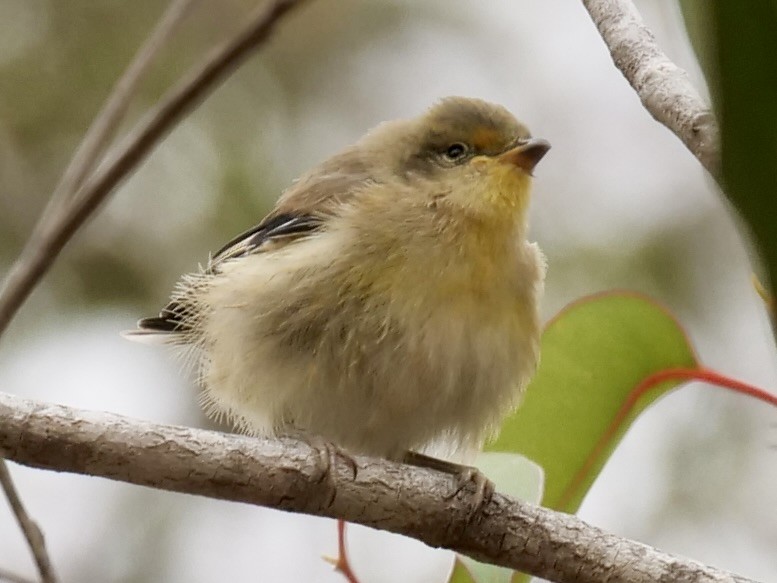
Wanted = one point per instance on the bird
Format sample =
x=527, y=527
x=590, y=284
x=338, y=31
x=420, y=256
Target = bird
x=389, y=301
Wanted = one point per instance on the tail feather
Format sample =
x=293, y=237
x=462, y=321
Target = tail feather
x=162, y=323
x=163, y=329
x=150, y=336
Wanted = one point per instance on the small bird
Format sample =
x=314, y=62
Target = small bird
x=389, y=300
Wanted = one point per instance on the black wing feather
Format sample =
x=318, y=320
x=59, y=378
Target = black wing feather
x=173, y=317
x=167, y=321
x=275, y=227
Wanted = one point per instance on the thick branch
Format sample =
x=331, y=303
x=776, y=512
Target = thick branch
x=283, y=474
x=662, y=86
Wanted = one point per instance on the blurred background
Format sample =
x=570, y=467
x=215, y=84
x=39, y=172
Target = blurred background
x=619, y=203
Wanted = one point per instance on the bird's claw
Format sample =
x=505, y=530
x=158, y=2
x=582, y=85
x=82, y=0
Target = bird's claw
x=484, y=488
x=326, y=458
x=464, y=475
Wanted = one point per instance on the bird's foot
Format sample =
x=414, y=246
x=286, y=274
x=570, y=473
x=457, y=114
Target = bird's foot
x=327, y=455
x=484, y=488
x=465, y=475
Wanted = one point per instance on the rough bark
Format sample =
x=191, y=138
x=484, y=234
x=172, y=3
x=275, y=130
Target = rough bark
x=285, y=474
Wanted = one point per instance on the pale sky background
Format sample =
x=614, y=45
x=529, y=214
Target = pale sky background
x=619, y=203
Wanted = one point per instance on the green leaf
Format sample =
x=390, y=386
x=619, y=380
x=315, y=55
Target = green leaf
x=737, y=46
x=517, y=476
x=513, y=474
x=460, y=574
x=594, y=354
x=747, y=65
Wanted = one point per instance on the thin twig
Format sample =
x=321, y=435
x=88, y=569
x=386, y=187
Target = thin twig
x=104, y=125
x=662, y=86
x=82, y=163
x=31, y=532
x=284, y=474
x=38, y=256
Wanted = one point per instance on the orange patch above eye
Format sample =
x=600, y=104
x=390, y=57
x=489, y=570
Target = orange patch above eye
x=487, y=139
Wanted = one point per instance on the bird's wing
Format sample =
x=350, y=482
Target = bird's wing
x=276, y=229
x=327, y=186
x=300, y=212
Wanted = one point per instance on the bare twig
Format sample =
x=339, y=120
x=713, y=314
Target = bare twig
x=106, y=122
x=283, y=474
x=73, y=201
x=82, y=163
x=40, y=254
x=28, y=527
x=662, y=86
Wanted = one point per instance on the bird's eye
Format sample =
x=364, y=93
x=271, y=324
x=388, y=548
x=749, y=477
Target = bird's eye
x=456, y=151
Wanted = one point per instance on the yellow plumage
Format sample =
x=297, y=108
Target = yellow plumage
x=401, y=309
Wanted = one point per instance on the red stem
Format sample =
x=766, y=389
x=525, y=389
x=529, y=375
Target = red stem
x=650, y=382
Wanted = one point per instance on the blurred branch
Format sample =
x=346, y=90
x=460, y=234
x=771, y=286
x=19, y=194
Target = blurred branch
x=284, y=474
x=97, y=137
x=662, y=86
x=92, y=146
x=40, y=253
x=73, y=201
x=28, y=527
x=82, y=163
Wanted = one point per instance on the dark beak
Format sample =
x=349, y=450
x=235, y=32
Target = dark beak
x=527, y=154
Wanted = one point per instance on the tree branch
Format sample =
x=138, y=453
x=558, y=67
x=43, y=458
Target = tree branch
x=282, y=473
x=29, y=528
x=82, y=163
x=662, y=86
x=40, y=253
x=102, y=128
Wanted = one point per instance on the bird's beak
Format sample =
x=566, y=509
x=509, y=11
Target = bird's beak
x=526, y=155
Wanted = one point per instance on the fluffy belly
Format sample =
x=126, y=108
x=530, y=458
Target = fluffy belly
x=366, y=371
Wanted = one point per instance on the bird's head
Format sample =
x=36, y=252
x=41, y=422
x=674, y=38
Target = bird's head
x=464, y=154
